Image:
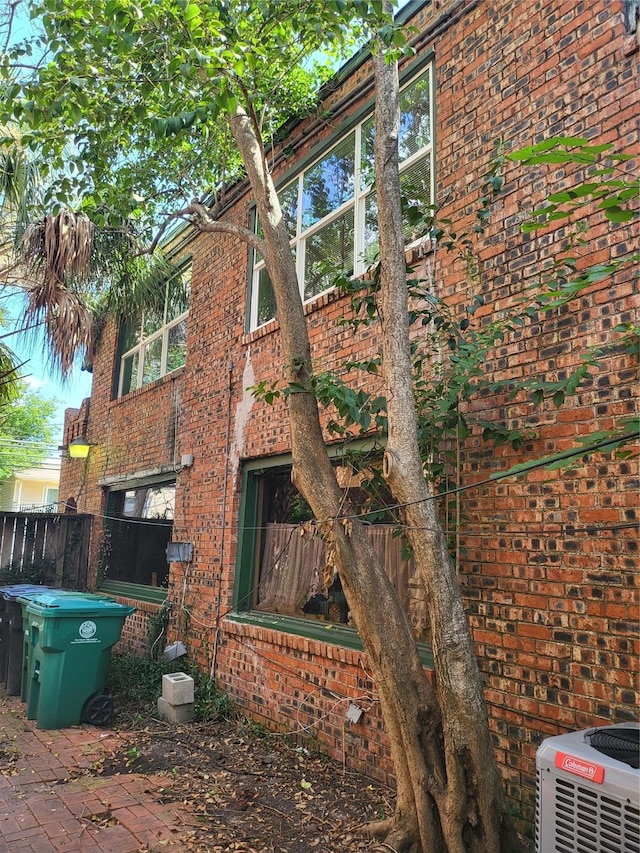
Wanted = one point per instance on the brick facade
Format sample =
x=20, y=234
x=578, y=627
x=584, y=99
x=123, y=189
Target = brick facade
x=547, y=561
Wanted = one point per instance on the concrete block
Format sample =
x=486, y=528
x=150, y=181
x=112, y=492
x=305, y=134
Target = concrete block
x=177, y=688
x=175, y=713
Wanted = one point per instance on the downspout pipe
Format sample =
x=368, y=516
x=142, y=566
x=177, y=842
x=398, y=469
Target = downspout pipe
x=223, y=527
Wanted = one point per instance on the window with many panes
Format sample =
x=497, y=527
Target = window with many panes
x=138, y=526
x=330, y=207
x=282, y=572
x=157, y=343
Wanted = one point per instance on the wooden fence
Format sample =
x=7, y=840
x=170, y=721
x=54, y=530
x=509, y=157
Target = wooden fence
x=57, y=544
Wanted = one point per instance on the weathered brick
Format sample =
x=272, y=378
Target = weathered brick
x=549, y=560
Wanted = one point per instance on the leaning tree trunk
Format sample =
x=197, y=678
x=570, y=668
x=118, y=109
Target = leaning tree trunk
x=409, y=707
x=472, y=810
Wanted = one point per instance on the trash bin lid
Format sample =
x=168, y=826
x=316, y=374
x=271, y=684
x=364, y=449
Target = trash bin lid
x=54, y=604
x=17, y=590
x=33, y=594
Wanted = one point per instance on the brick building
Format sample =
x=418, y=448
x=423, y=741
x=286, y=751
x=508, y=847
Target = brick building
x=183, y=451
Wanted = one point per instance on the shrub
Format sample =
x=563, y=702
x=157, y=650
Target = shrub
x=38, y=571
x=139, y=680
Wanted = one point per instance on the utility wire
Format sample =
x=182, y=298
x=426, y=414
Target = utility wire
x=564, y=526
x=494, y=478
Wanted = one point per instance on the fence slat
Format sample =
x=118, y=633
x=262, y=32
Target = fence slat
x=33, y=537
x=6, y=551
x=82, y=578
x=29, y=555
x=41, y=537
x=18, y=540
x=61, y=547
x=77, y=551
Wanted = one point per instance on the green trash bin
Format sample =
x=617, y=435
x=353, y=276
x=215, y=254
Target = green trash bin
x=70, y=639
x=21, y=618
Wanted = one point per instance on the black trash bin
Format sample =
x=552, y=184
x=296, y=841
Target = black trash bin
x=4, y=638
x=11, y=633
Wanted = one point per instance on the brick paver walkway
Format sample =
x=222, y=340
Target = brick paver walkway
x=48, y=805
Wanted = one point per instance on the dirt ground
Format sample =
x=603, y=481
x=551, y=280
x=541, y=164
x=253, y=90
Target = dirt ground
x=250, y=791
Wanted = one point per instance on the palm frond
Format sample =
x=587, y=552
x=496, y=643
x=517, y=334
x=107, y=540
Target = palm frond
x=75, y=276
x=20, y=184
x=84, y=275
x=9, y=374
x=57, y=249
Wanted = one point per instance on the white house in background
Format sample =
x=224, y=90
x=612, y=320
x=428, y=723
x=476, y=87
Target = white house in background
x=33, y=489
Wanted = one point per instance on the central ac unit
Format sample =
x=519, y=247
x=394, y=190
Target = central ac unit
x=588, y=791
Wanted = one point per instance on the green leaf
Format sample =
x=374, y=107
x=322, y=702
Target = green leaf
x=228, y=102
x=160, y=127
x=191, y=12
x=559, y=198
x=631, y=192
x=570, y=141
x=174, y=125
x=617, y=214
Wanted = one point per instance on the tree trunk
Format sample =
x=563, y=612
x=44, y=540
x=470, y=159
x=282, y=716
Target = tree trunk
x=408, y=703
x=472, y=812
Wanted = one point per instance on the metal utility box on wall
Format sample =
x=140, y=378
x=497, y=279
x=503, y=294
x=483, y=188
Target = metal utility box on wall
x=588, y=791
x=179, y=552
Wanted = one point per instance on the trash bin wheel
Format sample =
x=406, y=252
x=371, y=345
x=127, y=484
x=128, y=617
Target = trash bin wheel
x=98, y=710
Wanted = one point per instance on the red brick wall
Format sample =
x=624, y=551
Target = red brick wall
x=294, y=684
x=548, y=564
x=549, y=573
x=135, y=631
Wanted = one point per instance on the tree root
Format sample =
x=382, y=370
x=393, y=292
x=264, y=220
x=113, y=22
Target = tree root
x=379, y=828
x=394, y=838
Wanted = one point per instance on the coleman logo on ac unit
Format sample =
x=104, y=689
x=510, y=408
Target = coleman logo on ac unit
x=580, y=767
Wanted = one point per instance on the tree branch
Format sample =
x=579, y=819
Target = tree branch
x=207, y=224
x=203, y=219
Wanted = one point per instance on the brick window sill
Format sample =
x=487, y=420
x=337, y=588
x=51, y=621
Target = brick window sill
x=157, y=383
x=325, y=632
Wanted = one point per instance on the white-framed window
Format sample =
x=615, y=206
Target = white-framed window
x=157, y=344
x=51, y=496
x=330, y=206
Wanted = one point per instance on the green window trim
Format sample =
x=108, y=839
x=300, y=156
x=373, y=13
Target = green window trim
x=151, y=594
x=245, y=560
x=246, y=570
x=324, y=632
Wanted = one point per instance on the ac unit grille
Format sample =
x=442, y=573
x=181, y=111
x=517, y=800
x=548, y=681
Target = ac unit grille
x=600, y=814
x=619, y=743
x=588, y=822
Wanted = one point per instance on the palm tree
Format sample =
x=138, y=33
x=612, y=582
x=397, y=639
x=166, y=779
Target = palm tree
x=75, y=274
x=8, y=371
x=18, y=184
